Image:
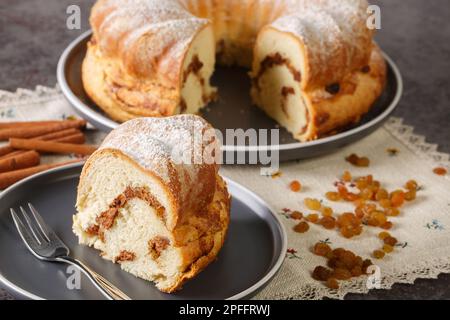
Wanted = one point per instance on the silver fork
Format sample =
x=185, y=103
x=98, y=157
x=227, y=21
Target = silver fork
x=45, y=245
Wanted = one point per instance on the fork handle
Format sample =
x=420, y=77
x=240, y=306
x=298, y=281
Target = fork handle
x=109, y=290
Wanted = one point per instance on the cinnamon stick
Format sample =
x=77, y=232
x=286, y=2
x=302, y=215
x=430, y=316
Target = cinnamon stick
x=58, y=134
x=34, y=131
x=73, y=136
x=7, y=125
x=6, y=150
x=12, y=154
x=11, y=177
x=21, y=161
x=77, y=138
x=52, y=147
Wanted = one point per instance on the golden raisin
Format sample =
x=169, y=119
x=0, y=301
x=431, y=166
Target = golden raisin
x=321, y=273
x=380, y=217
x=392, y=212
x=332, y=283
x=302, y=227
x=367, y=194
x=387, y=225
x=410, y=195
x=347, y=232
x=358, y=161
x=390, y=241
x=385, y=203
x=312, y=204
x=357, y=230
x=327, y=211
x=378, y=254
x=341, y=274
x=356, y=271
x=353, y=159
x=295, y=186
x=328, y=222
x=397, y=198
x=387, y=248
x=347, y=176
x=321, y=249
x=411, y=185
x=383, y=235
x=342, y=191
x=313, y=217
x=333, y=196
x=338, y=252
x=440, y=171
x=381, y=194
x=349, y=259
x=296, y=215
x=361, y=183
x=363, y=162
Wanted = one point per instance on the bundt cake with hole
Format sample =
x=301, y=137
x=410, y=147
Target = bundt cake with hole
x=314, y=65
x=151, y=199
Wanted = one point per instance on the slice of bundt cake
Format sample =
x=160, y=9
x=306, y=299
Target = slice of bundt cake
x=150, y=198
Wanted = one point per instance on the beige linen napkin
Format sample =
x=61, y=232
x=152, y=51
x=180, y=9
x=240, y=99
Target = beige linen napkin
x=422, y=228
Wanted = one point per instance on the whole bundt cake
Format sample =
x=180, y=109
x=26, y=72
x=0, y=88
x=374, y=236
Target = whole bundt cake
x=314, y=65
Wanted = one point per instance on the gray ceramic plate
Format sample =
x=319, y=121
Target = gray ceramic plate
x=233, y=109
x=252, y=254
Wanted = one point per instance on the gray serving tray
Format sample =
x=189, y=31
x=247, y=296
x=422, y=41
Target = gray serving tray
x=234, y=108
x=253, y=252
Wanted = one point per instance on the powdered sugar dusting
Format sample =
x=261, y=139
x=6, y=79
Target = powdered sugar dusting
x=120, y=24
x=163, y=144
x=145, y=32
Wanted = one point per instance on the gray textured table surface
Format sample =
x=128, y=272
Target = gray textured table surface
x=415, y=33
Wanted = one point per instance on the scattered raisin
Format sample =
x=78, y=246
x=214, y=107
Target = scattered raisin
x=378, y=254
x=312, y=204
x=321, y=273
x=327, y=211
x=356, y=271
x=387, y=225
x=440, y=171
x=410, y=195
x=341, y=274
x=321, y=249
x=328, y=222
x=295, y=186
x=390, y=241
x=302, y=227
x=385, y=203
x=397, y=198
x=296, y=215
x=411, y=185
x=383, y=235
x=392, y=212
x=332, y=283
x=333, y=196
x=313, y=217
x=387, y=248
x=347, y=176
x=381, y=194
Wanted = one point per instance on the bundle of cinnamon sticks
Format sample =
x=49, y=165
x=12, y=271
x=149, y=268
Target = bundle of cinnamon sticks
x=21, y=157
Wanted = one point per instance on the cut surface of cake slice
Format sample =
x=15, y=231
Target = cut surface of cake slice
x=161, y=219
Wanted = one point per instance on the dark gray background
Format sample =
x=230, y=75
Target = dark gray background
x=415, y=33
